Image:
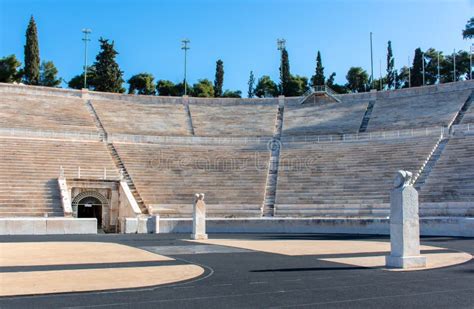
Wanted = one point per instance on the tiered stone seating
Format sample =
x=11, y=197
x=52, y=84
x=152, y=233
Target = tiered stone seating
x=30, y=168
x=345, y=179
x=233, y=117
x=449, y=189
x=167, y=177
x=139, y=118
x=323, y=117
x=407, y=112
x=45, y=113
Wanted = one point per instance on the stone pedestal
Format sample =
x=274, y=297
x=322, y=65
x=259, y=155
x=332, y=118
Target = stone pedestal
x=199, y=217
x=404, y=225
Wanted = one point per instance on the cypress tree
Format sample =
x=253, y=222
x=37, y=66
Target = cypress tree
x=108, y=75
x=390, y=67
x=32, y=58
x=417, y=69
x=251, y=83
x=285, y=76
x=219, y=80
x=319, y=79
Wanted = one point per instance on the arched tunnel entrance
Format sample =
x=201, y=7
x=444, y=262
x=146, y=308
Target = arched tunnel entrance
x=90, y=207
x=90, y=204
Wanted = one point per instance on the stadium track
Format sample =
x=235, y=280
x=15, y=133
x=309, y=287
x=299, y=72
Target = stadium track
x=238, y=278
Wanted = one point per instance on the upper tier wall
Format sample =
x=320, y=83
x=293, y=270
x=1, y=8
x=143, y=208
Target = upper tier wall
x=138, y=118
x=46, y=113
x=326, y=117
x=429, y=110
x=407, y=92
x=233, y=117
x=230, y=117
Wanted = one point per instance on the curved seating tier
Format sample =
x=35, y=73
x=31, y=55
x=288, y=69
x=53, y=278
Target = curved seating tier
x=46, y=113
x=138, y=118
x=30, y=168
x=450, y=186
x=345, y=179
x=323, y=117
x=407, y=112
x=233, y=117
x=168, y=176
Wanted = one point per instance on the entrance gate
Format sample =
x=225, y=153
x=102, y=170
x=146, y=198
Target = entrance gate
x=90, y=204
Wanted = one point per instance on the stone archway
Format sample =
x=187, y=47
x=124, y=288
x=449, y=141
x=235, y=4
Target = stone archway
x=91, y=204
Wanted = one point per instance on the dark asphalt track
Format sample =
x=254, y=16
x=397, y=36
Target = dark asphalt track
x=237, y=278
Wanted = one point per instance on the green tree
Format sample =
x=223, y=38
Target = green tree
x=391, y=74
x=417, y=69
x=318, y=79
x=32, y=58
x=403, y=77
x=297, y=86
x=340, y=88
x=251, y=84
x=285, y=75
x=166, y=88
x=77, y=82
x=357, y=79
x=219, y=80
x=379, y=84
x=330, y=81
x=462, y=66
x=431, y=67
x=468, y=32
x=49, y=75
x=232, y=94
x=203, y=89
x=179, y=89
x=108, y=74
x=9, y=72
x=141, y=84
x=266, y=87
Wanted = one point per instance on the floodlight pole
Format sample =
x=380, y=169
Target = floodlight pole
x=371, y=63
x=85, y=39
x=185, y=47
x=423, y=66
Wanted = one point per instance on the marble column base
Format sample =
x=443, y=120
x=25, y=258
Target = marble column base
x=405, y=262
x=198, y=236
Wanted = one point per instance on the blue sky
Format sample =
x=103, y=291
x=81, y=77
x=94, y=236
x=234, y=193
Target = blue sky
x=242, y=33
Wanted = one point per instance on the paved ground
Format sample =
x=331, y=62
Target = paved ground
x=242, y=278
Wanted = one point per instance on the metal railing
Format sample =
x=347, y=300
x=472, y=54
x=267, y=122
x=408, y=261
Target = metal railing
x=184, y=140
x=320, y=89
x=238, y=140
x=88, y=173
x=436, y=131
x=49, y=134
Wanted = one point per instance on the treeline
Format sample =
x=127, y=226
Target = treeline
x=105, y=74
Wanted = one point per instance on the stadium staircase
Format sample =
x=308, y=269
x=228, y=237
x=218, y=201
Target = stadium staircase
x=115, y=157
x=365, y=120
x=459, y=117
x=318, y=91
x=268, y=207
x=422, y=176
x=121, y=166
x=189, y=119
